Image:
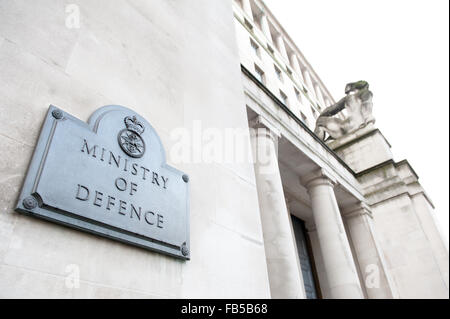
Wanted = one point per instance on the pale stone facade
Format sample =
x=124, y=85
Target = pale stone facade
x=154, y=57
x=369, y=226
x=364, y=213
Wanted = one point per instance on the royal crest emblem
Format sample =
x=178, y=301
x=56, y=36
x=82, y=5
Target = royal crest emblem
x=130, y=139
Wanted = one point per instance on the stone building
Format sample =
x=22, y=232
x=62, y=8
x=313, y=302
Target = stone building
x=306, y=217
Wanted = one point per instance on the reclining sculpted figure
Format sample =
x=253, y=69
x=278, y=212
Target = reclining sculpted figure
x=357, y=102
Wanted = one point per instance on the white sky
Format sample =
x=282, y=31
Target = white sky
x=401, y=47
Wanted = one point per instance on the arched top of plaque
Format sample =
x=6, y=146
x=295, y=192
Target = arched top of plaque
x=135, y=135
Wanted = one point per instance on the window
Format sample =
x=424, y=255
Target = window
x=255, y=48
x=314, y=112
x=304, y=118
x=284, y=98
x=307, y=262
x=298, y=95
x=259, y=74
x=288, y=69
x=248, y=24
x=278, y=73
x=256, y=18
x=274, y=37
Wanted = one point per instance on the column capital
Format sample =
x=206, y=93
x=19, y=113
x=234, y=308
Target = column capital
x=360, y=209
x=260, y=122
x=318, y=177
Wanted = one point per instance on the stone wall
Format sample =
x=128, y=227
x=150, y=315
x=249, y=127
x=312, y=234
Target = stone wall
x=415, y=255
x=173, y=62
x=410, y=259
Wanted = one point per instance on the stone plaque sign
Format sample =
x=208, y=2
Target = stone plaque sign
x=108, y=177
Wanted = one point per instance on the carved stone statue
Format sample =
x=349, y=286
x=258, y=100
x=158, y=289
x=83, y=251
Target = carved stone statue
x=358, y=104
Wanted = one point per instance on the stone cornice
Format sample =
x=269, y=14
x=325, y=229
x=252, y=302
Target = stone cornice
x=389, y=198
x=424, y=194
x=416, y=189
x=401, y=185
x=405, y=162
x=374, y=168
x=293, y=46
x=295, y=118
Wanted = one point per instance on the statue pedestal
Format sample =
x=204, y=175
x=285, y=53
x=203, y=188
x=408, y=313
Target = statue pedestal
x=362, y=149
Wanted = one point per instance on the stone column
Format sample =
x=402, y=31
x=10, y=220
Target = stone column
x=247, y=9
x=338, y=261
x=319, y=94
x=282, y=264
x=298, y=71
x=282, y=46
x=296, y=65
x=265, y=27
x=372, y=265
x=308, y=82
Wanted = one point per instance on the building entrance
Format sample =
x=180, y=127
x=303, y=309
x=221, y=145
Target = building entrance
x=306, y=259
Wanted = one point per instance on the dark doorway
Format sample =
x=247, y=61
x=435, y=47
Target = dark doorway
x=306, y=259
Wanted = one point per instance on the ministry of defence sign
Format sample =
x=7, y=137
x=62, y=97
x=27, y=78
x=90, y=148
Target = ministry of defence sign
x=108, y=177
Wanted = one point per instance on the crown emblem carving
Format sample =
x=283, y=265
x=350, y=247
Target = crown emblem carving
x=130, y=139
x=132, y=124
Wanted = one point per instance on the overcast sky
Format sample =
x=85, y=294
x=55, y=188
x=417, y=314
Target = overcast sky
x=401, y=48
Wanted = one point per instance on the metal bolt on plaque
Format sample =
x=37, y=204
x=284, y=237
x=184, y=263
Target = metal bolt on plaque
x=30, y=202
x=57, y=114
